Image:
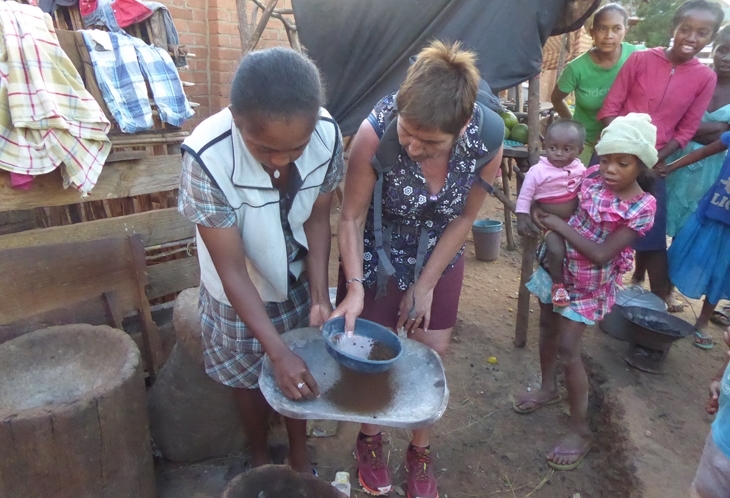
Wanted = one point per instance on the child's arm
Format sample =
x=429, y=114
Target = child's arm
x=713, y=402
x=694, y=156
x=527, y=192
x=690, y=121
x=598, y=253
x=709, y=132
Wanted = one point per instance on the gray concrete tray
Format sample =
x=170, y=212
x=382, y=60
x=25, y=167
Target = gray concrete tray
x=412, y=394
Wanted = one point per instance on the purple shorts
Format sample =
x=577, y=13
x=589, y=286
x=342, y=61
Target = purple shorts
x=384, y=311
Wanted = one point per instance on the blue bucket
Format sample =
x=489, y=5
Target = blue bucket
x=487, y=236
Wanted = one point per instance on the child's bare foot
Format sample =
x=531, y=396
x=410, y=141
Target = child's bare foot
x=568, y=454
x=528, y=402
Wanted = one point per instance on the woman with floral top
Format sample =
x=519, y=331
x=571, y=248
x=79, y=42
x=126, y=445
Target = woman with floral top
x=435, y=187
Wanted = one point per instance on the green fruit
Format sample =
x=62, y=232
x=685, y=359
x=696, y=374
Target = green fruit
x=509, y=119
x=520, y=133
x=506, y=132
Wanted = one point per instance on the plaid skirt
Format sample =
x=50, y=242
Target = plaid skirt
x=233, y=356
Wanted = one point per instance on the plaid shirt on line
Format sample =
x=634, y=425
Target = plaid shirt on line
x=121, y=65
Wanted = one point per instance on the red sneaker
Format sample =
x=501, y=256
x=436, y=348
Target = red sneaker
x=372, y=472
x=421, y=481
x=561, y=298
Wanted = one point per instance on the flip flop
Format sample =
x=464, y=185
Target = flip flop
x=702, y=345
x=569, y=466
x=721, y=317
x=535, y=404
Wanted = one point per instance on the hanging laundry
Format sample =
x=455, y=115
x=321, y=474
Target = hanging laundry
x=47, y=118
x=119, y=78
x=173, y=40
x=119, y=14
x=121, y=64
x=19, y=181
x=50, y=6
x=164, y=81
x=115, y=15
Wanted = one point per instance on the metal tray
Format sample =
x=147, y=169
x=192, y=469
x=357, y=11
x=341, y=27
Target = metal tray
x=414, y=390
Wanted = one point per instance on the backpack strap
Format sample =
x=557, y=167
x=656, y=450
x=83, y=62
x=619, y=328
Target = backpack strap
x=386, y=155
x=488, y=138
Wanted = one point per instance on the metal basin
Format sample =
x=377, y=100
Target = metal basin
x=652, y=328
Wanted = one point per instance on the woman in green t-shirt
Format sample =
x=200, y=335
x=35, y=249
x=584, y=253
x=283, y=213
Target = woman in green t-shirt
x=591, y=75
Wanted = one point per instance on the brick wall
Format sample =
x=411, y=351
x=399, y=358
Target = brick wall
x=209, y=28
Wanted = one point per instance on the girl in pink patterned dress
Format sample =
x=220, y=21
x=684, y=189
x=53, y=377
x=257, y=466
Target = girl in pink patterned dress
x=614, y=210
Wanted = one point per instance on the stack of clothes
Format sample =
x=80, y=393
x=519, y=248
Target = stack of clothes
x=47, y=117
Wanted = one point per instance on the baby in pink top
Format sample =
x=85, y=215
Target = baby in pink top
x=553, y=185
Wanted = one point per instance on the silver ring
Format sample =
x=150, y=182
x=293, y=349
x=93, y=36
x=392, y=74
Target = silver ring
x=300, y=385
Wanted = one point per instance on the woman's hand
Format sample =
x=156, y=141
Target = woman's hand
x=351, y=306
x=713, y=402
x=415, y=308
x=319, y=313
x=550, y=221
x=293, y=376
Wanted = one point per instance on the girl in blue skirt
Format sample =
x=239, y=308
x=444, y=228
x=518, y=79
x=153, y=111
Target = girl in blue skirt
x=699, y=258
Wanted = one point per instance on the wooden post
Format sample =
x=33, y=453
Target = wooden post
x=507, y=213
x=528, y=243
x=241, y=6
x=261, y=25
x=519, y=98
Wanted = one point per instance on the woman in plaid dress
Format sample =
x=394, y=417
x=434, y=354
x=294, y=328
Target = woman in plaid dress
x=257, y=180
x=614, y=210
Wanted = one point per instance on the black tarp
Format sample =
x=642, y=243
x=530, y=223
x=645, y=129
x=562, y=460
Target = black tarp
x=362, y=46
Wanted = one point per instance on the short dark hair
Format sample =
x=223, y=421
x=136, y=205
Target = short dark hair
x=440, y=88
x=608, y=8
x=569, y=124
x=712, y=7
x=722, y=36
x=277, y=83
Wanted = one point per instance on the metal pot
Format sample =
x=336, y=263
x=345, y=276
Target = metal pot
x=615, y=324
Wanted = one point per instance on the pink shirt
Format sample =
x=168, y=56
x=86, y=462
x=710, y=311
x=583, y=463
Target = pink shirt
x=545, y=181
x=675, y=97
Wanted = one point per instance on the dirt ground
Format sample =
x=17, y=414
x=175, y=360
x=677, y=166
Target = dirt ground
x=649, y=429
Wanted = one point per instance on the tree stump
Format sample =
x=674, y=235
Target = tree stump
x=73, y=421
x=278, y=480
x=192, y=417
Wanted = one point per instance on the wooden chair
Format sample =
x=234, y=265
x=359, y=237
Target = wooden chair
x=95, y=281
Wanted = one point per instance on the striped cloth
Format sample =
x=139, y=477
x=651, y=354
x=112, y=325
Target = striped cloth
x=47, y=118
